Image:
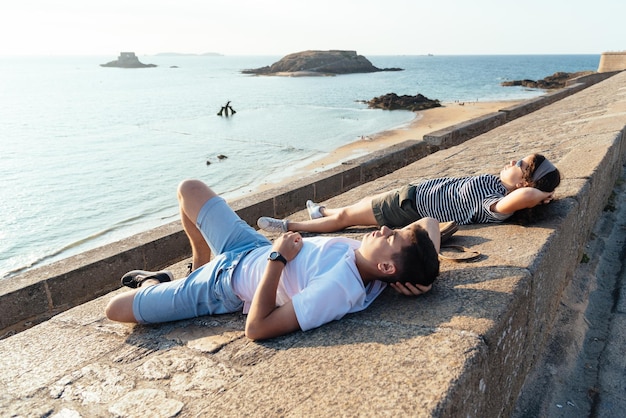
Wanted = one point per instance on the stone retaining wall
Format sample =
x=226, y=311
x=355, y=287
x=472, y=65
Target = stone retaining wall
x=462, y=350
x=37, y=295
x=612, y=61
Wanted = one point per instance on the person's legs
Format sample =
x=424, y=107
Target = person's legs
x=212, y=227
x=336, y=219
x=394, y=209
x=120, y=308
x=207, y=290
x=192, y=195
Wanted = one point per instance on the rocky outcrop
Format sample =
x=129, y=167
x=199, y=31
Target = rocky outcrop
x=551, y=82
x=313, y=63
x=391, y=101
x=127, y=60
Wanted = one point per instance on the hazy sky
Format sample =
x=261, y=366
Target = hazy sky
x=279, y=27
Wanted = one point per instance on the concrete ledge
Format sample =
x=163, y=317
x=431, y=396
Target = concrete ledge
x=37, y=295
x=456, y=134
x=464, y=349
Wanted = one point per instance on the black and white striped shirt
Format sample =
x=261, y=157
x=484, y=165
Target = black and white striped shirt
x=465, y=200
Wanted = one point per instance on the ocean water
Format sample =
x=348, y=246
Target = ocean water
x=90, y=155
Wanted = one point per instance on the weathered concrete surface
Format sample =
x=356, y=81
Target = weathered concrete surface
x=582, y=372
x=38, y=294
x=464, y=349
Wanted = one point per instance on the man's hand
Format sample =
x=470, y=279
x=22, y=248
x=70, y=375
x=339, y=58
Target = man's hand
x=288, y=244
x=409, y=289
x=265, y=319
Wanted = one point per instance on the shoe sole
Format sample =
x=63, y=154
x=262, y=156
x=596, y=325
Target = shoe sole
x=270, y=228
x=310, y=208
x=130, y=278
x=447, y=229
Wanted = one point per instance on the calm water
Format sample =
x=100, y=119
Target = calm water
x=90, y=155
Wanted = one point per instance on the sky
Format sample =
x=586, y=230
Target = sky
x=280, y=27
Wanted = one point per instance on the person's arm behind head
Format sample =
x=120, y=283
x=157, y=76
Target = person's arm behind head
x=522, y=198
x=431, y=227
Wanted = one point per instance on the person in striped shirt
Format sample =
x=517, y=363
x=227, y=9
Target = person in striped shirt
x=522, y=184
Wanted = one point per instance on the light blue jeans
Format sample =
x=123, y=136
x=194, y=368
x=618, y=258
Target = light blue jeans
x=208, y=290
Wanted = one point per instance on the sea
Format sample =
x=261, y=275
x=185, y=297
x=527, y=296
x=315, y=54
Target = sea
x=90, y=155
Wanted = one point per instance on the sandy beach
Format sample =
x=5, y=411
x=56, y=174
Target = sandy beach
x=425, y=121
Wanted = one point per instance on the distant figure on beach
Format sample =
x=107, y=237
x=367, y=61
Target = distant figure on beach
x=291, y=284
x=225, y=109
x=522, y=184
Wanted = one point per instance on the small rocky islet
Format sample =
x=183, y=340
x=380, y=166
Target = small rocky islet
x=319, y=63
x=127, y=60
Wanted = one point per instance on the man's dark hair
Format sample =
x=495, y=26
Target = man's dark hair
x=417, y=263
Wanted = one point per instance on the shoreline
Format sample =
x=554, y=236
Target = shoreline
x=425, y=121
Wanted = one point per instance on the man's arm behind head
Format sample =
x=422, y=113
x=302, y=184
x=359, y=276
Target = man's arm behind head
x=418, y=263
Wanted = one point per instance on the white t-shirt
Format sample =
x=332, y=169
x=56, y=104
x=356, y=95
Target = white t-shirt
x=322, y=281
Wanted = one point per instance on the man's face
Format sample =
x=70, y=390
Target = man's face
x=380, y=245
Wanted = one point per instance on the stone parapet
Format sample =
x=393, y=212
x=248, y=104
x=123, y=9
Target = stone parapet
x=463, y=349
x=612, y=61
x=37, y=295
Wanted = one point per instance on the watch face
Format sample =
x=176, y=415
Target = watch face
x=276, y=256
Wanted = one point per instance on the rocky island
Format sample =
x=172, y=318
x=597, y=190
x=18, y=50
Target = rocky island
x=319, y=63
x=391, y=101
x=557, y=80
x=127, y=60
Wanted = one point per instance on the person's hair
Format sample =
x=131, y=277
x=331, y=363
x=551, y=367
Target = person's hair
x=417, y=263
x=546, y=183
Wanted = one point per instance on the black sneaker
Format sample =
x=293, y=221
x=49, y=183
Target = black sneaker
x=135, y=278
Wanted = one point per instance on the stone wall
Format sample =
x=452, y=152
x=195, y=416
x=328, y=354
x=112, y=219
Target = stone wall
x=612, y=61
x=462, y=350
x=37, y=295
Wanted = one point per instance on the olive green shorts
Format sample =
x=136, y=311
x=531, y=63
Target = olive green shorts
x=396, y=209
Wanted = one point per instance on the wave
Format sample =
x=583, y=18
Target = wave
x=87, y=242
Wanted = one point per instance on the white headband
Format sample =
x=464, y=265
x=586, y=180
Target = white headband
x=544, y=168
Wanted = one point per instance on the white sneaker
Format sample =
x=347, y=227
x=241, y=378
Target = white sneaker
x=272, y=225
x=314, y=209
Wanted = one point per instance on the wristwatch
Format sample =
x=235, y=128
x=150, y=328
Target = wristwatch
x=276, y=256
